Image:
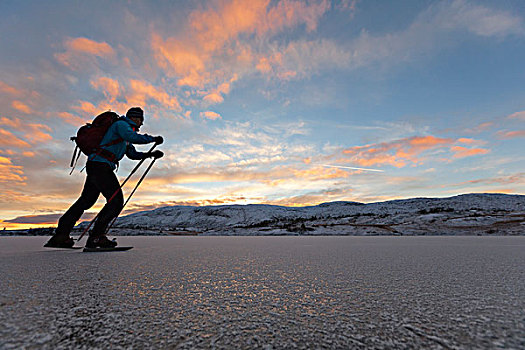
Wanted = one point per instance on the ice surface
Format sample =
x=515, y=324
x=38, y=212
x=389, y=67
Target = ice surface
x=266, y=292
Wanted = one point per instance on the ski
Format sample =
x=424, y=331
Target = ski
x=64, y=247
x=114, y=249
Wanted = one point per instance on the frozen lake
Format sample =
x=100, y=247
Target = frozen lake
x=266, y=292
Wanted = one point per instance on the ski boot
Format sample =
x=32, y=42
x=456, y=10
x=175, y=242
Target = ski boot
x=100, y=242
x=60, y=241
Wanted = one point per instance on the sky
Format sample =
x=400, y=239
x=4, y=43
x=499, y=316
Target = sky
x=278, y=102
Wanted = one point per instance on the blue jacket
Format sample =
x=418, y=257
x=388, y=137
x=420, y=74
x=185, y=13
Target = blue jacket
x=124, y=129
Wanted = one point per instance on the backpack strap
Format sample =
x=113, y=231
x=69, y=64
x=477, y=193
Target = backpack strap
x=114, y=142
x=104, y=153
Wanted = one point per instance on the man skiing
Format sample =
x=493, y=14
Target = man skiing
x=117, y=142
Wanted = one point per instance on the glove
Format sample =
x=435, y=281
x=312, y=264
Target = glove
x=158, y=140
x=156, y=154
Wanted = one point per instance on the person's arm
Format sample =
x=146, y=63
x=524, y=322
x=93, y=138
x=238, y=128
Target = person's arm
x=132, y=153
x=128, y=134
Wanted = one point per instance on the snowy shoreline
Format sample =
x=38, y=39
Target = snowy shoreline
x=466, y=215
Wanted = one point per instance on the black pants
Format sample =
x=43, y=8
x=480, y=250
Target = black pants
x=100, y=179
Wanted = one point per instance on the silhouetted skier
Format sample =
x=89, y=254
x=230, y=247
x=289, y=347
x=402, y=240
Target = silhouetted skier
x=117, y=142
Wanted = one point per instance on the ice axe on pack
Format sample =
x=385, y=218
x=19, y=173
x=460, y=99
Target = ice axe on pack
x=120, y=188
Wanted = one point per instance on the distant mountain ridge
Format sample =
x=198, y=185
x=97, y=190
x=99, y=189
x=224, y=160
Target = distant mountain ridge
x=468, y=214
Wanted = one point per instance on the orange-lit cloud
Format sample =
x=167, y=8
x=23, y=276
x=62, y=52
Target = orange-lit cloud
x=407, y=151
x=38, y=133
x=33, y=133
x=462, y=152
x=468, y=141
x=213, y=98
x=87, y=109
x=221, y=29
x=226, y=21
x=72, y=119
x=518, y=116
x=88, y=46
x=8, y=139
x=511, y=134
x=216, y=95
x=22, y=107
x=210, y=115
x=10, y=173
x=181, y=60
x=142, y=91
x=479, y=128
x=82, y=50
x=10, y=90
x=396, y=153
x=108, y=86
x=320, y=173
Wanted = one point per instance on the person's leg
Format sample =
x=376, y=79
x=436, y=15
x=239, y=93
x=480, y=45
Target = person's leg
x=108, y=184
x=86, y=200
x=67, y=221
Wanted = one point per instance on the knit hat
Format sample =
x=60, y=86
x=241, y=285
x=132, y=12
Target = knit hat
x=135, y=112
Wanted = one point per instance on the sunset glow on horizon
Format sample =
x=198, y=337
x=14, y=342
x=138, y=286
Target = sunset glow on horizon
x=282, y=102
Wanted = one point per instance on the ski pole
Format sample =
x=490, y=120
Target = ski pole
x=134, y=169
x=116, y=192
x=131, y=194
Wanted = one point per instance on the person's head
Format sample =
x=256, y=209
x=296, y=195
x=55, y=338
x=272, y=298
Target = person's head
x=136, y=114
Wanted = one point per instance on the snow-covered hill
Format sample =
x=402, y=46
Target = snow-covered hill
x=470, y=214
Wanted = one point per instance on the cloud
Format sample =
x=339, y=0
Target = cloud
x=313, y=197
x=86, y=108
x=141, y=92
x=88, y=46
x=213, y=98
x=413, y=150
x=20, y=106
x=210, y=115
x=33, y=133
x=11, y=174
x=479, y=128
x=72, y=119
x=10, y=90
x=467, y=141
x=517, y=115
x=440, y=23
x=216, y=95
x=108, y=86
x=303, y=58
x=37, y=133
x=182, y=60
x=35, y=219
x=478, y=19
x=511, y=134
x=396, y=153
x=225, y=21
x=8, y=139
x=462, y=152
x=44, y=219
x=81, y=51
x=227, y=38
x=223, y=41
x=516, y=179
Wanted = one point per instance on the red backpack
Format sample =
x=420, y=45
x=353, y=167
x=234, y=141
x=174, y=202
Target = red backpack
x=90, y=136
